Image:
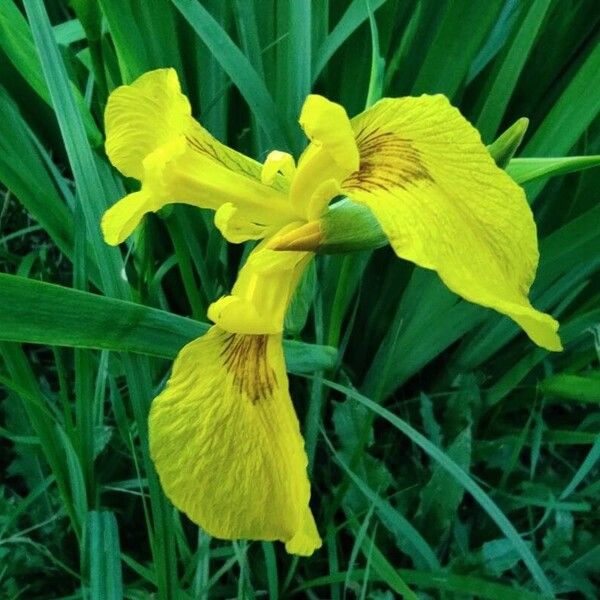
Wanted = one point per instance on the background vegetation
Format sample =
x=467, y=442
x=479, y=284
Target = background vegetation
x=450, y=457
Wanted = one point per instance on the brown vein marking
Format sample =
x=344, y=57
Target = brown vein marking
x=387, y=161
x=245, y=357
x=205, y=147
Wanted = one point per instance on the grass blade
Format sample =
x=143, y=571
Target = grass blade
x=523, y=170
x=103, y=556
x=504, y=77
x=447, y=62
x=239, y=69
x=90, y=187
x=356, y=14
x=17, y=43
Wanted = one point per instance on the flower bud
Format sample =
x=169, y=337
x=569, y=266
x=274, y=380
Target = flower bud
x=504, y=148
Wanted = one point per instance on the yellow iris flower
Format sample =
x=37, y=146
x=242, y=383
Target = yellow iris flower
x=223, y=434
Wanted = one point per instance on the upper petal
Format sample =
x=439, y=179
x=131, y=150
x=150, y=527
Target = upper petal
x=327, y=125
x=445, y=205
x=152, y=136
x=330, y=157
x=141, y=117
x=226, y=442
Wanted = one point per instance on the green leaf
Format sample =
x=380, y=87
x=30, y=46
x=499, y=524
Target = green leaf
x=523, y=170
x=43, y=313
x=584, y=469
x=23, y=173
x=103, y=556
x=498, y=556
x=573, y=387
x=505, y=146
x=442, y=495
x=293, y=59
x=144, y=34
x=24, y=383
x=17, y=43
x=428, y=320
x=505, y=75
x=386, y=570
x=356, y=14
x=90, y=185
x=449, y=56
x=408, y=539
x=570, y=116
x=462, y=585
x=375, y=90
x=94, y=187
x=239, y=69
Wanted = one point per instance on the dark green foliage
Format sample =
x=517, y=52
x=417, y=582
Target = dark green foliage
x=450, y=457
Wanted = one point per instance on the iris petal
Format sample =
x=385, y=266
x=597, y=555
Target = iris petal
x=227, y=445
x=445, y=205
x=330, y=158
x=141, y=117
x=152, y=137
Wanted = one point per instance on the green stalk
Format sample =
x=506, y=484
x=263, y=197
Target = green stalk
x=185, y=268
x=84, y=389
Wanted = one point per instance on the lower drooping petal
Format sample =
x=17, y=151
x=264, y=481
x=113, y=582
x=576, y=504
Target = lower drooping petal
x=445, y=205
x=227, y=445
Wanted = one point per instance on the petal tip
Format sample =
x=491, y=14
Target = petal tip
x=306, y=540
x=120, y=220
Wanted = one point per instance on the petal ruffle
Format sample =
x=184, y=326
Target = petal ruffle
x=262, y=292
x=227, y=445
x=143, y=116
x=445, y=205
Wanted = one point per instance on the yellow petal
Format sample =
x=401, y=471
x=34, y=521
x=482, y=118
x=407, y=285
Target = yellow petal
x=331, y=155
x=262, y=292
x=278, y=162
x=306, y=540
x=445, y=205
x=119, y=221
x=327, y=125
x=143, y=116
x=235, y=226
x=152, y=136
x=207, y=179
x=227, y=445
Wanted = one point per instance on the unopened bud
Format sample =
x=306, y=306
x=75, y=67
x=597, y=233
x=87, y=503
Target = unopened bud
x=348, y=226
x=505, y=146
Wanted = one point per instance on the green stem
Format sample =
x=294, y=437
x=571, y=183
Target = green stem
x=185, y=268
x=339, y=303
